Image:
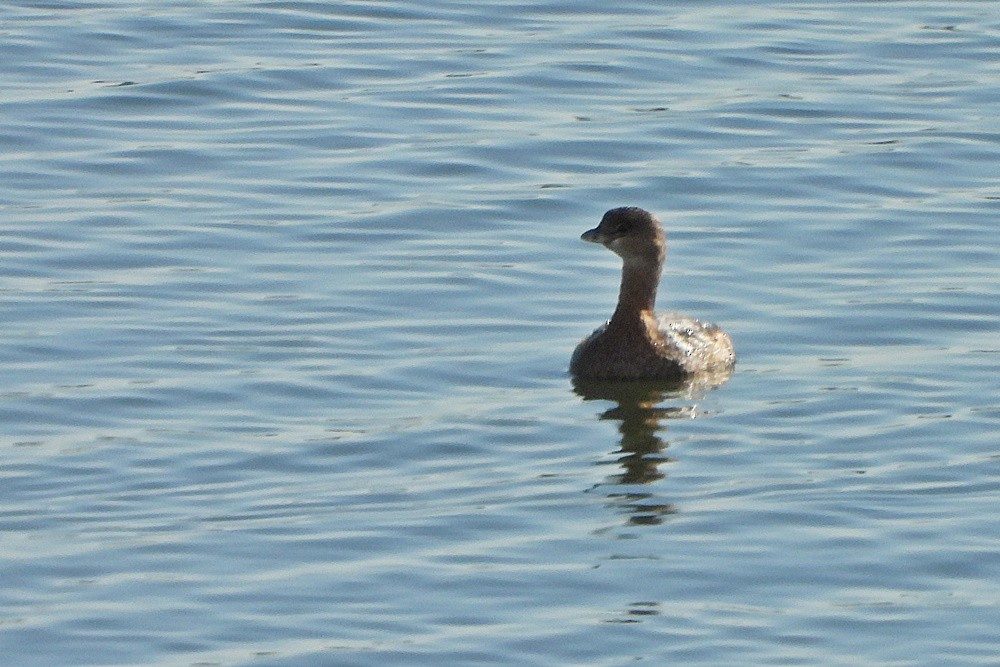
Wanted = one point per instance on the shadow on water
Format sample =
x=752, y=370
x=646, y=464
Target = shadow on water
x=641, y=410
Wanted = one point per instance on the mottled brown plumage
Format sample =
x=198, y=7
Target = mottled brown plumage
x=636, y=343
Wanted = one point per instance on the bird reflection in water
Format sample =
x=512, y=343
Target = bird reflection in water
x=640, y=410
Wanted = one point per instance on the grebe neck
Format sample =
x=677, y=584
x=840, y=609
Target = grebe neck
x=640, y=277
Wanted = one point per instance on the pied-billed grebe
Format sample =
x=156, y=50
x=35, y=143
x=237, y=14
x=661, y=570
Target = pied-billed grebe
x=636, y=343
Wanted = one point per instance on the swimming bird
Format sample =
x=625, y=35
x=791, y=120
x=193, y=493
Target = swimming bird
x=636, y=343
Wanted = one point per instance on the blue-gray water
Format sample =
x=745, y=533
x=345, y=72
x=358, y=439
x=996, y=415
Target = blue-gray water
x=289, y=290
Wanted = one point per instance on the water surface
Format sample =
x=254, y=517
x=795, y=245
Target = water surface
x=290, y=289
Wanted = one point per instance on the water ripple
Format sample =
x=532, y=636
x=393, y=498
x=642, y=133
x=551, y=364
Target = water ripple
x=290, y=289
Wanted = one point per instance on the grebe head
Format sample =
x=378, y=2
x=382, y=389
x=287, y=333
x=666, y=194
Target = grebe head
x=630, y=232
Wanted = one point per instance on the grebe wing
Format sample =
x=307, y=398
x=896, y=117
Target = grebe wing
x=700, y=345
